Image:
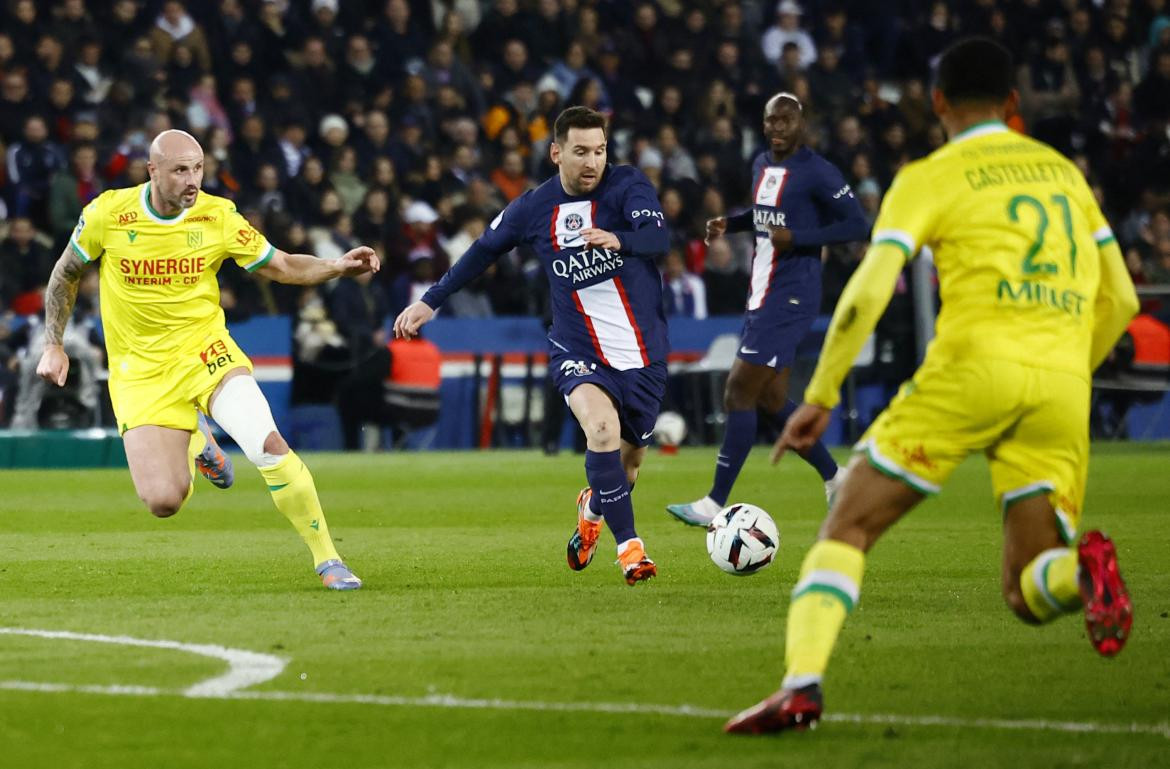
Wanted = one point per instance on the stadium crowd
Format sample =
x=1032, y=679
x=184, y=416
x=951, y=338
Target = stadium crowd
x=408, y=124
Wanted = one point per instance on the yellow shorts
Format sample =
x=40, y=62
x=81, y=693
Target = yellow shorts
x=168, y=397
x=1032, y=423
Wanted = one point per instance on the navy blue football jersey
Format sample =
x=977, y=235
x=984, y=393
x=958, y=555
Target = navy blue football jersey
x=606, y=304
x=806, y=194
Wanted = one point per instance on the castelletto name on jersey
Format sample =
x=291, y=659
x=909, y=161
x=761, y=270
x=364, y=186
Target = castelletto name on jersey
x=184, y=271
x=587, y=264
x=765, y=220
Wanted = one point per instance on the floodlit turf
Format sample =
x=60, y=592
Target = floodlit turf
x=468, y=595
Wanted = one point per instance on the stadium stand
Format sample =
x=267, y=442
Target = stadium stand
x=408, y=124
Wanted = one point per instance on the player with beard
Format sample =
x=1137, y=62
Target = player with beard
x=596, y=228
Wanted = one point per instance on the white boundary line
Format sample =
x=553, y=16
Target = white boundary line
x=247, y=668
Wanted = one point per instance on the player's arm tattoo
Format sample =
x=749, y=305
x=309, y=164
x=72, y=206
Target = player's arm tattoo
x=61, y=293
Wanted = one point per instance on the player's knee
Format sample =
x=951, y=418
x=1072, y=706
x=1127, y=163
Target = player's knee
x=164, y=501
x=602, y=434
x=275, y=444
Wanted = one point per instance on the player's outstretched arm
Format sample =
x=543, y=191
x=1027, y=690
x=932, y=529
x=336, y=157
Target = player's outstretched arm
x=410, y=320
x=59, y=298
x=308, y=270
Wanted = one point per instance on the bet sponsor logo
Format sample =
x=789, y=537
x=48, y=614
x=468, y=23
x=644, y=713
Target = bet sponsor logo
x=216, y=356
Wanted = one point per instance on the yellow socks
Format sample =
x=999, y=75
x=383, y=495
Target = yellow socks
x=295, y=496
x=1049, y=584
x=826, y=591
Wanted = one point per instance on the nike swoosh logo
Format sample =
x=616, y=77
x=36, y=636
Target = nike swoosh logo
x=647, y=435
x=614, y=490
x=748, y=351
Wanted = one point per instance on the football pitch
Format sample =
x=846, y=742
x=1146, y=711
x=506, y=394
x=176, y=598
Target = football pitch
x=205, y=640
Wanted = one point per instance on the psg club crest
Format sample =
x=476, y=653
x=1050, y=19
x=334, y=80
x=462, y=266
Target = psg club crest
x=770, y=181
x=573, y=222
x=576, y=367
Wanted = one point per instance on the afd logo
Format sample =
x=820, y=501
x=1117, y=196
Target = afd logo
x=577, y=368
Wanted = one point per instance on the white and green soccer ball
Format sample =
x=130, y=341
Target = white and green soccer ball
x=742, y=539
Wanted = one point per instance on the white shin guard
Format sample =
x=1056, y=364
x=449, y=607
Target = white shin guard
x=242, y=411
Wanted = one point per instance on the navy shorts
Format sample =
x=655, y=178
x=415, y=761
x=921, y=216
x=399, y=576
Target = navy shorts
x=772, y=341
x=638, y=391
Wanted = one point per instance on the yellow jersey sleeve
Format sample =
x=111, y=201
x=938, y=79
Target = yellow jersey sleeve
x=1102, y=232
x=87, y=240
x=243, y=242
x=858, y=310
x=907, y=219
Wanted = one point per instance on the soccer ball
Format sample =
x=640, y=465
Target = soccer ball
x=742, y=539
x=670, y=429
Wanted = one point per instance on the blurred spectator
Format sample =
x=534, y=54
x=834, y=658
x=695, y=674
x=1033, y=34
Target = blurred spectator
x=684, y=294
x=677, y=162
x=173, y=26
x=725, y=281
x=644, y=45
x=31, y=164
x=70, y=190
x=92, y=76
x=1049, y=94
x=1158, y=265
x=832, y=89
x=509, y=177
x=420, y=275
x=25, y=265
x=358, y=308
x=374, y=222
x=1152, y=96
x=16, y=104
x=787, y=30
x=345, y=180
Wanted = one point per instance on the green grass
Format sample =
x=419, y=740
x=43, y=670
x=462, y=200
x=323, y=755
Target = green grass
x=467, y=594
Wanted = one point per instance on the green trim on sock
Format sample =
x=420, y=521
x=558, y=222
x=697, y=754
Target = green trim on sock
x=840, y=594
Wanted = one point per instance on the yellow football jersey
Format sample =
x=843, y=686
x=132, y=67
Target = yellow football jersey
x=159, y=293
x=1015, y=232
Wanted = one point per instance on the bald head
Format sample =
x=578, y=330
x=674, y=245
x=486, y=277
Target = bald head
x=171, y=143
x=176, y=171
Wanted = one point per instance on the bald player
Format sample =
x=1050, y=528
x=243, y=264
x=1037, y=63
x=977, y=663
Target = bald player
x=171, y=358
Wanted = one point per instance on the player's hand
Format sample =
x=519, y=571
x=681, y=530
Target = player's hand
x=715, y=228
x=54, y=365
x=410, y=320
x=804, y=428
x=600, y=238
x=359, y=261
x=781, y=239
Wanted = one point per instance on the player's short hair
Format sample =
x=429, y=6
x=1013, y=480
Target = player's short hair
x=976, y=69
x=576, y=117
